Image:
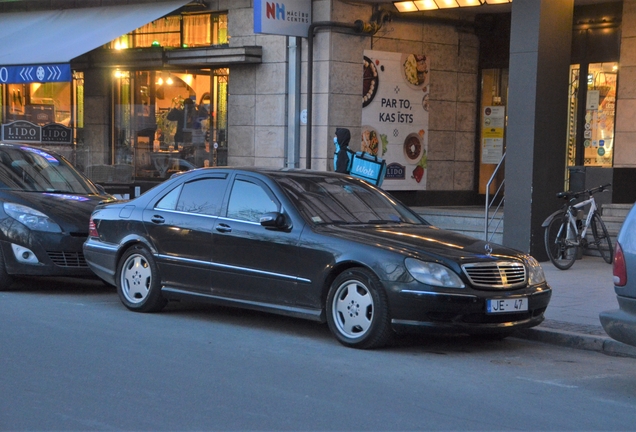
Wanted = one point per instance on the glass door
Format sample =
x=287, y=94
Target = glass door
x=590, y=141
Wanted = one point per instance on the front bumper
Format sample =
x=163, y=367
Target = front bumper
x=464, y=311
x=620, y=324
x=57, y=255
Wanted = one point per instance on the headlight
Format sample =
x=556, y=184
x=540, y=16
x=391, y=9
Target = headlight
x=535, y=271
x=433, y=274
x=32, y=218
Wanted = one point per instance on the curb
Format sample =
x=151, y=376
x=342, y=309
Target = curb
x=605, y=345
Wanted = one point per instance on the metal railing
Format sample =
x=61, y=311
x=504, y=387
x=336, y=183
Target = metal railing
x=490, y=219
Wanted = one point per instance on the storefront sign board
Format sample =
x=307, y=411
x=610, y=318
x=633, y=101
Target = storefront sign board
x=27, y=132
x=286, y=17
x=395, y=115
x=35, y=73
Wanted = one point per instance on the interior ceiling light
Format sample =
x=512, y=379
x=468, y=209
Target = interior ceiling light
x=443, y=4
x=405, y=6
x=468, y=3
x=424, y=5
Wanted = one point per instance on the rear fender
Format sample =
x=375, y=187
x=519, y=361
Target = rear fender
x=549, y=218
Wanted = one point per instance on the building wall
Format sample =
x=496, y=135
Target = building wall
x=625, y=133
x=453, y=96
x=257, y=95
x=257, y=99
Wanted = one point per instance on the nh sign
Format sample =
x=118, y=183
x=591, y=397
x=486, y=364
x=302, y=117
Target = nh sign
x=35, y=73
x=282, y=17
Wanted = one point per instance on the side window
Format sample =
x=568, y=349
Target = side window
x=249, y=201
x=169, y=202
x=203, y=196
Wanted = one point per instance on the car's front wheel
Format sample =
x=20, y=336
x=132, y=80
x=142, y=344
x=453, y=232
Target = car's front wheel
x=138, y=282
x=357, y=310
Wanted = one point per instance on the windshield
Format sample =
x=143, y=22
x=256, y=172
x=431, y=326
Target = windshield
x=30, y=169
x=326, y=199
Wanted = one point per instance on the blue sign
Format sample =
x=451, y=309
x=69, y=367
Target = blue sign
x=35, y=73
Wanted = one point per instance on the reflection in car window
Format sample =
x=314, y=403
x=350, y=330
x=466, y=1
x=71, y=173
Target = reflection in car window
x=32, y=169
x=169, y=202
x=249, y=201
x=339, y=200
x=203, y=196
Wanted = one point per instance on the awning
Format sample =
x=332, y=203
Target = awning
x=38, y=46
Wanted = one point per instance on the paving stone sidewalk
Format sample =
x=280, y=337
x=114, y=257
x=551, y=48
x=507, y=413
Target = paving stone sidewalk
x=578, y=296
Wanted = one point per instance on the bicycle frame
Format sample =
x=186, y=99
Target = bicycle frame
x=574, y=236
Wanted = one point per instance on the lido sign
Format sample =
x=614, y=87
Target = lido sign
x=287, y=18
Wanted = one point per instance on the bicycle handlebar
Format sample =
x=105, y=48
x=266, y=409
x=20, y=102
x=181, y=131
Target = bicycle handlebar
x=568, y=195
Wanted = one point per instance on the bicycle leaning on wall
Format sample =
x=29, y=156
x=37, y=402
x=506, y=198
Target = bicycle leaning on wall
x=566, y=232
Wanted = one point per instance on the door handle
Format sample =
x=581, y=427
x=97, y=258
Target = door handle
x=223, y=228
x=157, y=219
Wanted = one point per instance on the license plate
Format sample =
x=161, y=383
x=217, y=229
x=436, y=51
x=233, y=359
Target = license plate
x=507, y=306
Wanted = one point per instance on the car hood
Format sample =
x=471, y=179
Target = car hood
x=424, y=241
x=70, y=211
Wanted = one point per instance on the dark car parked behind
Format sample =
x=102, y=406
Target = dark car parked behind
x=317, y=245
x=45, y=207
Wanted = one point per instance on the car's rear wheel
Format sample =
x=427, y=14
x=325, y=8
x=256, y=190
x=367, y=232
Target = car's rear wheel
x=357, y=310
x=5, y=279
x=138, y=282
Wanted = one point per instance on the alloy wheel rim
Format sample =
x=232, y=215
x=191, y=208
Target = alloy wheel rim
x=353, y=309
x=136, y=278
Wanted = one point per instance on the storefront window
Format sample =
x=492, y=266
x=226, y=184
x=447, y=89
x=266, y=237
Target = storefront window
x=600, y=112
x=591, y=139
x=39, y=103
x=179, y=31
x=165, y=122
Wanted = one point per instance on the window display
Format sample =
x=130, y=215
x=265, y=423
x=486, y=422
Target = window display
x=169, y=121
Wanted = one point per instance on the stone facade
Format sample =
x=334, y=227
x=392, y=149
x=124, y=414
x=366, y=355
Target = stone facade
x=625, y=133
x=258, y=92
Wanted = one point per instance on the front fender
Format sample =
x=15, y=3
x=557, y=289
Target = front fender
x=549, y=218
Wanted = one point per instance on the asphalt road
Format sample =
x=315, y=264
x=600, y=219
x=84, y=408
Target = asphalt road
x=73, y=358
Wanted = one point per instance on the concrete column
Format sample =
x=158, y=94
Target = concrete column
x=540, y=49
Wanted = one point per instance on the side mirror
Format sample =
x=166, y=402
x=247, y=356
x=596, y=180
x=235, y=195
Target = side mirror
x=274, y=220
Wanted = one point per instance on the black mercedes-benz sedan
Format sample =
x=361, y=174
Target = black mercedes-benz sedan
x=316, y=245
x=45, y=206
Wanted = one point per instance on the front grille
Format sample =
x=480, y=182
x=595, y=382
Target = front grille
x=496, y=274
x=68, y=259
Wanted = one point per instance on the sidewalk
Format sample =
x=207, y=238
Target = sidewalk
x=578, y=296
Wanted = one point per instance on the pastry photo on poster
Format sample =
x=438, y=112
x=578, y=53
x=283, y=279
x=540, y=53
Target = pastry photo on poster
x=395, y=115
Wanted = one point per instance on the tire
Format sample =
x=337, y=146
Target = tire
x=5, y=279
x=358, y=311
x=602, y=239
x=138, y=281
x=560, y=252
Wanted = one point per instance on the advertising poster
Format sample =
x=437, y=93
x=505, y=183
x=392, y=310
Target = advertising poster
x=492, y=134
x=395, y=115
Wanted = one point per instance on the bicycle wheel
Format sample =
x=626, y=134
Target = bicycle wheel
x=561, y=251
x=601, y=238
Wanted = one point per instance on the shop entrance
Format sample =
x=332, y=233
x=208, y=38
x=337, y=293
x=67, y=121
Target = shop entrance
x=168, y=121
